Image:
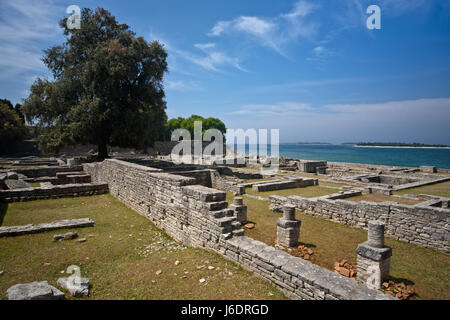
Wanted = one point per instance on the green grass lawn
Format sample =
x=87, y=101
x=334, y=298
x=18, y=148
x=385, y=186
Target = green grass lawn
x=121, y=256
x=438, y=189
x=35, y=184
x=307, y=192
x=427, y=269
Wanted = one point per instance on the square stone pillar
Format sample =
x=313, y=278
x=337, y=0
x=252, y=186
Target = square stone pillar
x=373, y=258
x=288, y=228
x=240, y=210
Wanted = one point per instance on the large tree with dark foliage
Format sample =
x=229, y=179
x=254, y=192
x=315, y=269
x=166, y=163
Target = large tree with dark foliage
x=107, y=88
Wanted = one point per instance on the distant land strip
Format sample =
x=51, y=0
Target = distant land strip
x=399, y=144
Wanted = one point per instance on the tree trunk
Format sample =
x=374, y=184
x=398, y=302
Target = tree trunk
x=102, y=151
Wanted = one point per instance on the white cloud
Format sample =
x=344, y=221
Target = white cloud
x=411, y=120
x=210, y=58
x=183, y=86
x=23, y=25
x=204, y=46
x=273, y=32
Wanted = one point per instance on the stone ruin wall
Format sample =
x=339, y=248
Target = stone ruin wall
x=198, y=216
x=423, y=226
x=53, y=192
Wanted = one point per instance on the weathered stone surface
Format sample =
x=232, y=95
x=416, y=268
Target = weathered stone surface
x=34, y=291
x=275, y=208
x=43, y=227
x=78, y=287
x=12, y=175
x=288, y=229
x=376, y=254
x=58, y=191
x=65, y=236
x=16, y=184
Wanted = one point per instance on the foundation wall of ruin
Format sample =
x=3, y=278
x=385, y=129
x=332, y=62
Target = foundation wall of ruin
x=423, y=226
x=47, y=171
x=53, y=192
x=199, y=216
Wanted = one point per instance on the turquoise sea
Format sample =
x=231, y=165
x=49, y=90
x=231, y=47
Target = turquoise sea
x=408, y=157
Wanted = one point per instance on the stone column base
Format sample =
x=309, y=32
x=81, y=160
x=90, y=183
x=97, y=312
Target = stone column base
x=373, y=265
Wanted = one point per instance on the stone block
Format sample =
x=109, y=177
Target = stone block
x=34, y=291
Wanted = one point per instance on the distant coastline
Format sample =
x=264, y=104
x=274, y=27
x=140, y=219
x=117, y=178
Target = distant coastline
x=398, y=147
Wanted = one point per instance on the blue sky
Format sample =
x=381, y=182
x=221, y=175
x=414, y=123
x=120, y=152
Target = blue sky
x=309, y=68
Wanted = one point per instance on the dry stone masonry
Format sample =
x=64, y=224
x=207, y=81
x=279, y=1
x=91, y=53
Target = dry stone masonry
x=240, y=210
x=373, y=258
x=199, y=216
x=290, y=183
x=288, y=228
x=423, y=226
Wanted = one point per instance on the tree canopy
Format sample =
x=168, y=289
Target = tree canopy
x=12, y=130
x=107, y=88
x=17, y=108
x=188, y=124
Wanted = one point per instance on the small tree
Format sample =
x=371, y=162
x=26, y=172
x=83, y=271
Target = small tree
x=188, y=124
x=12, y=130
x=107, y=88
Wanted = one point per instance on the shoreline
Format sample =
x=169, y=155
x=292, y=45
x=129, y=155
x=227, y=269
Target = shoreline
x=400, y=147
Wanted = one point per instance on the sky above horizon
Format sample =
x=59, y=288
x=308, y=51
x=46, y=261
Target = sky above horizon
x=309, y=68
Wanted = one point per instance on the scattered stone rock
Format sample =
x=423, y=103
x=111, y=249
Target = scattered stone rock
x=81, y=240
x=65, y=236
x=399, y=290
x=305, y=252
x=177, y=262
x=78, y=287
x=345, y=268
x=1, y=272
x=202, y=280
x=34, y=291
x=249, y=225
x=211, y=268
x=158, y=272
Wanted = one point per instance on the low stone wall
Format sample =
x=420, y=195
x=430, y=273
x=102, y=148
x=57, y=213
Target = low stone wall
x=69, y=190
x=195, y=215
x=297, y=278
x=199, y=216
x=47, y=171
x=284, y=184
x=218, y=182
x=344, y=195
x=248, y=175
x=310, y=166
x=423, y=226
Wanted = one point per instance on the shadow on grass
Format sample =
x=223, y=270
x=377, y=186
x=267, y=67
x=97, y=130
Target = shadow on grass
x=3, y=209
